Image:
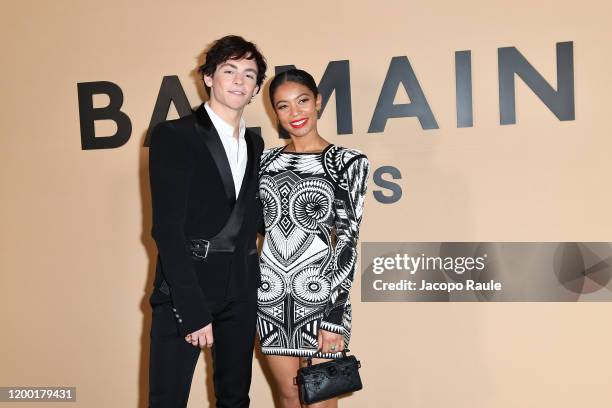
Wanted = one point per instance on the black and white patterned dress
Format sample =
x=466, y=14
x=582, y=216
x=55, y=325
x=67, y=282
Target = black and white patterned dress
x=312, y=203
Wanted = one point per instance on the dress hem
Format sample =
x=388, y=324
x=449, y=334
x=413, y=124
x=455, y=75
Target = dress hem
x=297, y=352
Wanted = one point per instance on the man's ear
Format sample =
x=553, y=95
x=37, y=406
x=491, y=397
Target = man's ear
x=208, y=80
x=256, y=91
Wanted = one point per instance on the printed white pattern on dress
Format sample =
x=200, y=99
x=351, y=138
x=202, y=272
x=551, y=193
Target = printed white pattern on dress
x=307, y=199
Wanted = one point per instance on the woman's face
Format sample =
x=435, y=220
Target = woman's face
x=296, y=108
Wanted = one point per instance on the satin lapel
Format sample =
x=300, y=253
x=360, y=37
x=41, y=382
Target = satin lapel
x=211, y=138
x=228, y=236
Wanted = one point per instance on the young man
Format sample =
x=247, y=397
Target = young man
x=203, y=171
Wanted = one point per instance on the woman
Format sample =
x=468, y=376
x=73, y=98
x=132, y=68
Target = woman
x=312, y=194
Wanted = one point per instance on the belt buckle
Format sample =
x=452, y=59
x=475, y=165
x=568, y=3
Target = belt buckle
x=199, y=248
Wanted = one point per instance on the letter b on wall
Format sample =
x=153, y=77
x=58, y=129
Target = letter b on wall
x=88, y=115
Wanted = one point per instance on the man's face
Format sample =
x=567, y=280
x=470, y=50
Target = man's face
x=234, y=83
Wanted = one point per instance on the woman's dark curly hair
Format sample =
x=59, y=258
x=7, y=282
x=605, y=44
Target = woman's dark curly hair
x=233, y=47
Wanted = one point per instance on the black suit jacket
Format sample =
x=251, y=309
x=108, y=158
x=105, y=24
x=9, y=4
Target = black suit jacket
x=193, y=197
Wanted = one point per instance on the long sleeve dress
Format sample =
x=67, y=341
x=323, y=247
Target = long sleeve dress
x=312, y=204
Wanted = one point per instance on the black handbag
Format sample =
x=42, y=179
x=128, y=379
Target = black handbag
x=329, y=379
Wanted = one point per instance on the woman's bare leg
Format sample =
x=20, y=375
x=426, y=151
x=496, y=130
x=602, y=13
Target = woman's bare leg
x=284, y=369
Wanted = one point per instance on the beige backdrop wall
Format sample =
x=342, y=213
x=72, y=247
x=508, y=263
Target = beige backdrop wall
x=76, y=256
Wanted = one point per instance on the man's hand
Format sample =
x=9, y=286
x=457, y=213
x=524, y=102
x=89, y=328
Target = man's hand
x=202, y=337
x=327, y=339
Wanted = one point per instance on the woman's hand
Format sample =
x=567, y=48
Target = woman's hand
x=330, y=342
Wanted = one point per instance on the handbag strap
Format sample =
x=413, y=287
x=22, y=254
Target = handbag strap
x=309, y=358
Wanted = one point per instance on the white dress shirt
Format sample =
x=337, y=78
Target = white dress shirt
x=235, y=149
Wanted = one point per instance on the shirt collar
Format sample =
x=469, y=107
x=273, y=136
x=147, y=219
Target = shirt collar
x=223, y=128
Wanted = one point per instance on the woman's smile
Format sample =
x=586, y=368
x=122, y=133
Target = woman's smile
x=298, y=123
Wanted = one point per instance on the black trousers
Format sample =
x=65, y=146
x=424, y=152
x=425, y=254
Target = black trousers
x=173, y=360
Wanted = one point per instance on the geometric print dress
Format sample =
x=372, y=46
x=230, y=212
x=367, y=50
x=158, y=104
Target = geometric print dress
x=312, y=206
